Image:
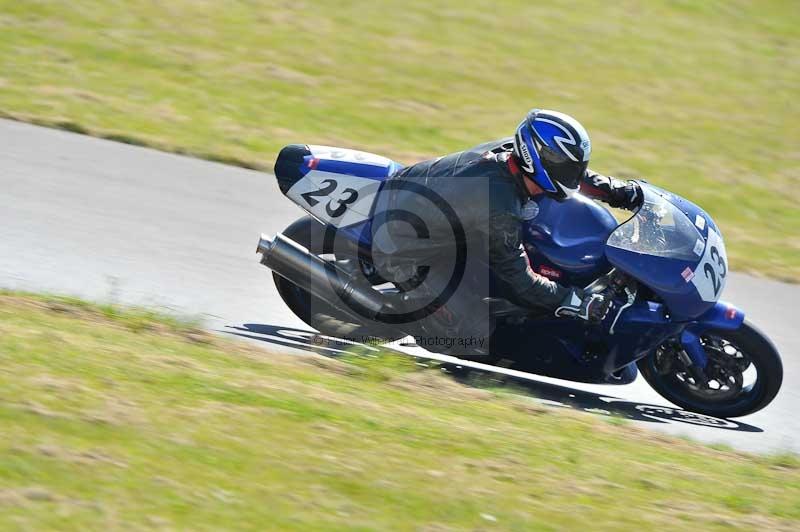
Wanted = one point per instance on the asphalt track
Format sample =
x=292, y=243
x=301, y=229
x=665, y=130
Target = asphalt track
x=114, y=222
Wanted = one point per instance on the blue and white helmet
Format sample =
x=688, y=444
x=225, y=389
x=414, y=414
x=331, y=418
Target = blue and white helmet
x=553, y=150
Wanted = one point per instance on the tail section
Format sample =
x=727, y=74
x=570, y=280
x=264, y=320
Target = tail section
x=335, y=185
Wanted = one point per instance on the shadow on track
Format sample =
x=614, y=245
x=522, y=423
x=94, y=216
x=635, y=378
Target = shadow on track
x=543, y=392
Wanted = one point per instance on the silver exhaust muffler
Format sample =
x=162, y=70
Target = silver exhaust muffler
x=322, y=278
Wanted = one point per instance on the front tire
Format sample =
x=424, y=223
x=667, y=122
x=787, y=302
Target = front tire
x=754, y=351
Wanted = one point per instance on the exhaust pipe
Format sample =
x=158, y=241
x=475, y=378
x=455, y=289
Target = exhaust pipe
x=324, y=279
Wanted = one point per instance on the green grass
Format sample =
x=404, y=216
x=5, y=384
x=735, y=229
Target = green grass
x=123, y=420
x=699, y=97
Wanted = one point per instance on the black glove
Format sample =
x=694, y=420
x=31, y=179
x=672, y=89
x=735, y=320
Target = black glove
x=625, y=195
x=616, y=192
x=631, y=196
x=586, y=306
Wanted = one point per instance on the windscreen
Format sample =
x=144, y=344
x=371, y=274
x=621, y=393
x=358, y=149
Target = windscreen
x=660, y=229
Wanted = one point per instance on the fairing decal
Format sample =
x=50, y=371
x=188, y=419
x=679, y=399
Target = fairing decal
x=335, y=185
x=711, y=273
x=336, y=199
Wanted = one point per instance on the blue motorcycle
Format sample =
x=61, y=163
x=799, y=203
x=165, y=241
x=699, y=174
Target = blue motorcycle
x=665, y=266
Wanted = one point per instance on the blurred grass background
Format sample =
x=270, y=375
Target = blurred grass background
x=121, y=419
x=698, y=97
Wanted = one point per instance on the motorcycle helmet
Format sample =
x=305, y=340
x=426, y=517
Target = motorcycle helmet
x=553, y=151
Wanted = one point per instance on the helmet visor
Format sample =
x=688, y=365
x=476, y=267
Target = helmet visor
x=561, y=168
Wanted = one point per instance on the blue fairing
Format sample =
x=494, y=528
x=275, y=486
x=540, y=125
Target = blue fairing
x=640, y=328
x=646, y=325
x=662, y=275
x=723, y=315
x=673, y=247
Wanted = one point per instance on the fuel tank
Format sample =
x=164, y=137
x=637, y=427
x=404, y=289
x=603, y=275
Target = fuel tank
x=566, y=240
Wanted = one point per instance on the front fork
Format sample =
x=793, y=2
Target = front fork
x=721, y=316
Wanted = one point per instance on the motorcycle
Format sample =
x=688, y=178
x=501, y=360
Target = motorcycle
x=665, y=266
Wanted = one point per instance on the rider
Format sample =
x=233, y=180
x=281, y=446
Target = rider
x=548, y=156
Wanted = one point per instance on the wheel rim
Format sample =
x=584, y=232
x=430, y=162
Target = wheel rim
x=733, y=378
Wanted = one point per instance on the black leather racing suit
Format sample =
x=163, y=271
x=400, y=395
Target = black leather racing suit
x=484, y=186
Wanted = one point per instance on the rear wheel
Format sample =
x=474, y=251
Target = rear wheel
x=744, y=373
x=317, y=313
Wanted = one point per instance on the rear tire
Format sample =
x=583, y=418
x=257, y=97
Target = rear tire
x=762, y=355
x=315, y=312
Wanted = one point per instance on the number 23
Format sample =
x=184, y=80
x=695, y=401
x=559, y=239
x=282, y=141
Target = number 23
x=328, y=186
x=712, y=273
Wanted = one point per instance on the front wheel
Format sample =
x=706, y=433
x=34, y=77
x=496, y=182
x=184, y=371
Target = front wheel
x=744, y=373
